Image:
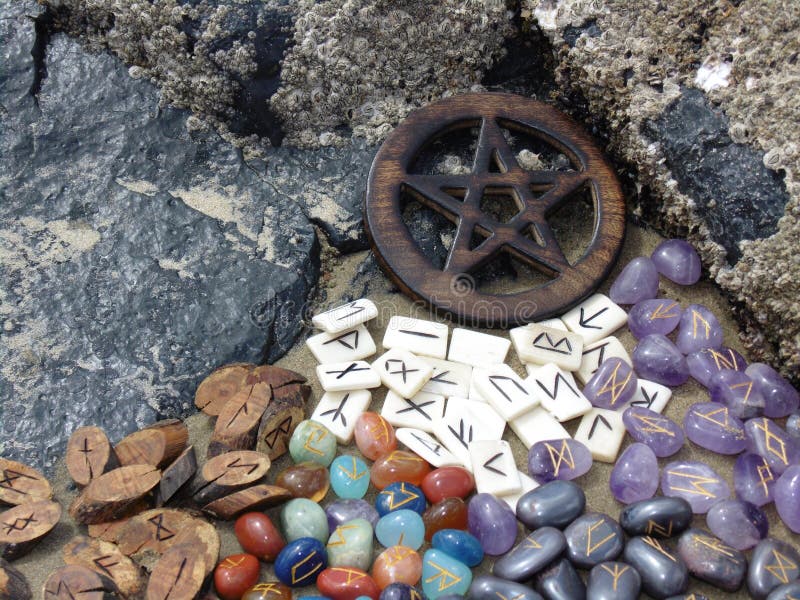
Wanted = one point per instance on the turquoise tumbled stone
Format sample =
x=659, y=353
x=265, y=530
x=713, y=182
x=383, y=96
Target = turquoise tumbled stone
x=443, y=575
x=350, y=545
x=303, y=518
x=401, y=528
x=312, y=441
x=349, y=477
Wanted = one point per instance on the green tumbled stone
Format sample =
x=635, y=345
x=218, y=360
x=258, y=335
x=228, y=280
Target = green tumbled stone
x=303, y=518
x=312, y=441
x=350, y=545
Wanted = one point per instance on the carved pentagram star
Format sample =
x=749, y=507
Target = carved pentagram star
x=541, y=249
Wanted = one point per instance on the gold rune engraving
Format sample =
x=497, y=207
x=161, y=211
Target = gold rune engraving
x=590, y=548
x=748, y=385
x=318, y=566
x=782, y=568
x=651, y=424
x=445, y=577
x=764, y=476
x=502, y=597
x=770, y=439
x=339, y=533
x=715, y=545
x=664, y=312
x=557, y=457
x=402, y=457
x=317, y=434
x=722, y=361
x=353, y=474
x=352, y=574
x=397, y=553
x=654, y=543
x=725, y=423
x=229, y=563
x=613, y=387
x=380, y=430
x=532, y=543
x=268, y=587
x=653, y=527
x=409, y=495
x=697, y=482
x=696, y=319
x=616, y=573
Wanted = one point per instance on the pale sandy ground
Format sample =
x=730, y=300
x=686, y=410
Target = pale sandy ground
x=47, y=556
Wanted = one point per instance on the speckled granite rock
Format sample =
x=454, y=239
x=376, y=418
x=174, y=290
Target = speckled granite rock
x=135, y=256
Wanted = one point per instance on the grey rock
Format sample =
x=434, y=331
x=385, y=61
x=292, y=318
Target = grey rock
x=659, y=517
x=736, y=195
x=136, y=256
x=663, y=572
x=711, y=560
x=561, y=581
x=554, y=504
x=785, y=592
x=773, y=563
x=486, y=587
x=613, y=581
x=536, y=551
x=593, y=538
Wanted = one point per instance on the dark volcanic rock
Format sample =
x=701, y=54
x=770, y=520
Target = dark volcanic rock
x=737, y=196
x=136, y=256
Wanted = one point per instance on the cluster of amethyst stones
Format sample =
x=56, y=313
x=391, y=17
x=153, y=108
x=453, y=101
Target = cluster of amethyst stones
x=739, y=418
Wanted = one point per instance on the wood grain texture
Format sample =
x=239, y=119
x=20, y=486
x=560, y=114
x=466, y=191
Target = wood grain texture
x=89, y=454
x=450, y=290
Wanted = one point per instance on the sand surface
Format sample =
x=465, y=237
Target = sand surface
x=47, y=556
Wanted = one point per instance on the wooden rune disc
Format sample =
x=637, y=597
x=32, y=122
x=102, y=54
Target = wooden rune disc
x=496, y=170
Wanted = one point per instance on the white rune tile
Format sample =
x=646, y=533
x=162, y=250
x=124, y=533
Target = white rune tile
x=449, y=378
x=597, y=352
x=354, y=344
x=558, y=392
x=649, y=394
x=403, y=372
x=422, y=411
x=423, y=338
x=474, y=394
x=344, y=376
x=552, y=324
x=504, y=390
x=339, y=411
x=527, y=484
x=595, y=318
x=426, y=447
x=542, y=345
x=465, y=421
x=537, y=425
x=477, y=349
x=346, y=316
x=602, y=432
x=494, y=468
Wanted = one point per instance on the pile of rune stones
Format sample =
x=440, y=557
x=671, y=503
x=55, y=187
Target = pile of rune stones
x=454, y=488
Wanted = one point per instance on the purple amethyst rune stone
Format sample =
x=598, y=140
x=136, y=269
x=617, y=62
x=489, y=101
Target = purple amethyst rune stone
x=698, y=329
x=612, y=385
x=712, y=426
x=638, y=281
x=558, y=459
x=780, y=398
x=695, y=482
x=346, y=509
x=753, y=479
x=656, y=358
x=654, y=316
x=662, y=434
x=738, y=523
x=492, y=522
x=635, y=476
x=787, y=497
x=678, y=261
x=767, y=439
x=738, y=392
x=704, y=363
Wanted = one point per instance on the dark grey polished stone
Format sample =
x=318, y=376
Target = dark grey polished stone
x=532, y=554
x=554, y=504
x=613, y=581
x=773, y=563
x=663, y=572
x=561, y=581
x=593, y=538
x=789, y=591
x=710, y=559
x=487, y=587
x=659, y=517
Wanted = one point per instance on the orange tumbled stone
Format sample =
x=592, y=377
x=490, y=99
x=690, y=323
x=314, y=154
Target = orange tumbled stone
x=305, y=480
x=347, y=583
x=374, y=435
x=398, y=465
x=447, y=482
x=397, y=564
x=450, y=513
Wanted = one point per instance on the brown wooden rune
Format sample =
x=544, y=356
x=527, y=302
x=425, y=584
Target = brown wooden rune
x=495, y=171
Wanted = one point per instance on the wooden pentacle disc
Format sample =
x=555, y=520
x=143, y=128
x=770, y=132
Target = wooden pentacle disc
x=178, y=574
x=106, y=559
x=176, y=475
x=215, y=390
x=89, y=454
x=158, y=444
x=153, y=531
x=75, y=581
x=237, y=424
x=257, y=497
x=532, y=196
x=226, y=473
x=13, y=585
x=284, y=413
x=204, y=538
x=22, y=526
x=115, y=494
x=20, y=483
